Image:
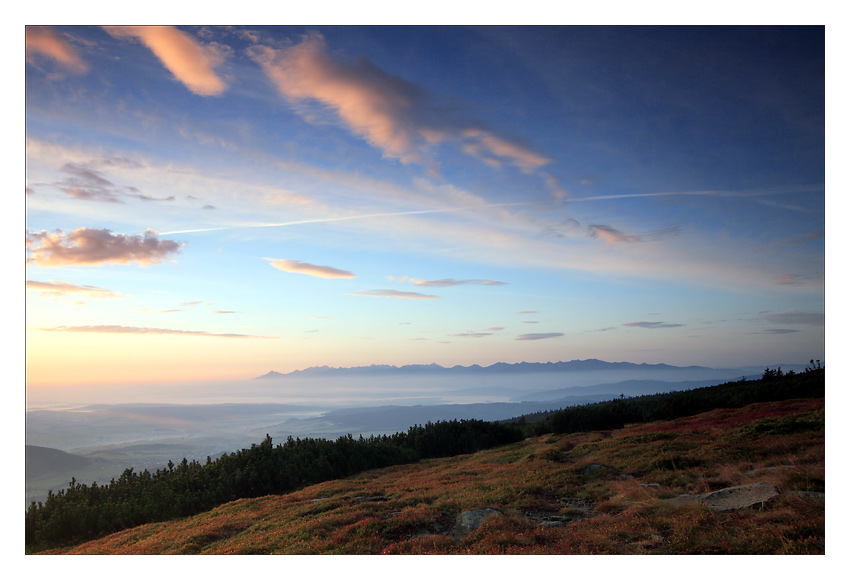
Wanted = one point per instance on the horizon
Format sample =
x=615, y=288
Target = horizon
x=204, y=202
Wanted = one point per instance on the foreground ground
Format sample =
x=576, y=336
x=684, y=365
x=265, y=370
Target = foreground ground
x=636, y=490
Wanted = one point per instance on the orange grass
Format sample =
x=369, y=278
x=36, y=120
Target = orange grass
x=609, y=489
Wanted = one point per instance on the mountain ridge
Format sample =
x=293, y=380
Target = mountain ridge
x=499, y=367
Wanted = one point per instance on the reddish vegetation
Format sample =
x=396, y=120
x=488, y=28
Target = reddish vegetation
x=589, y=493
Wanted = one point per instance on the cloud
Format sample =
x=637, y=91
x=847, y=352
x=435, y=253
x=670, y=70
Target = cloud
x=496, y=328
x=530, y=322
x=778, y=331
x=188, y=60
x=447, y=282
x=88, y=184
x=94, y=247
x=55, y=289
x=223, y=311
x=811, y=318
x=651, y=325
x=472, y=334
x=149, y=311
x=297, y=267
x=794, y=279
x=610, y=235
x=116, y=329
x=390, y=113
x=539, y=336
x=393, y=294
x=43, y=41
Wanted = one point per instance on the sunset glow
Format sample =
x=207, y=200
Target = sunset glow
x=211, y=203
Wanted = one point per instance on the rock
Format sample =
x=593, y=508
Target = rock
x=370, y=498
x=469, y=521
x=740, y=497
x=730, y=498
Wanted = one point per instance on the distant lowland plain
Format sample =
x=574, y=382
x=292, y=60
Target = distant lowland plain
x=95, y=441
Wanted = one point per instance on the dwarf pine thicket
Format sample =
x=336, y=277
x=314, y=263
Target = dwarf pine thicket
x=82, y=512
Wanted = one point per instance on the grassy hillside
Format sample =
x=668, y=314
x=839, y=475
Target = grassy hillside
x=612, y=491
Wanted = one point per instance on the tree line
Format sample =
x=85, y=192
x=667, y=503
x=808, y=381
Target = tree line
x=773, y=386
x=83, y=512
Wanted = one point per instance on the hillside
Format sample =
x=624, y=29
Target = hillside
x=42, y=461
x=640, y=489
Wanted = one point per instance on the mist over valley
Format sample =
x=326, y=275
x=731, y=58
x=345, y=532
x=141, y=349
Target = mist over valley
x=105, y=431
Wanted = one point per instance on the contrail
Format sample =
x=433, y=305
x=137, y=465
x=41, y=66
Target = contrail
x=708, y=192
x=346, y=218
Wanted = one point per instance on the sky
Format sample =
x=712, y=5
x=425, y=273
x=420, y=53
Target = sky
x=215, y=202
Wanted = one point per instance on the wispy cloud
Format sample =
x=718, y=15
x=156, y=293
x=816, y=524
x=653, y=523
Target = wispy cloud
x=778, y=331
x=539, y=336
x=116, y=329
x=297, y=267
x=191, y=62
x=795, y=279
x=808, y=318
x=651, y=325
x=95, y=247
x=472, y=334
x=56, y=289
x=393, y=294
x=612, y=235
x=149, y=311
x=399, y=117
x=446, y=282
x=86, y=183
x=43, y=41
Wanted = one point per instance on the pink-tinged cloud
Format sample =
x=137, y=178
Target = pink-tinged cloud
x=393, y=294
x=55, y=289
x=296, y=267
x=117, y=329
x=610, y=235
x=43, y=41
x=472, y=334
x=651, y=325
x=539, y=336
x=187, y=59
x=390, y=113
x=95, y=247
x=450, y=282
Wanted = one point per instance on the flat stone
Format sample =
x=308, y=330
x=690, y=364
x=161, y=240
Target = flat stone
x=740, y=497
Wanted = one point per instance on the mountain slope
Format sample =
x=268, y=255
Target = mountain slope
x=601, y=492
x=41, y=461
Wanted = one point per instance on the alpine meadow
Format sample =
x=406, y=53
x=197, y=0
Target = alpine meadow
x=426, y=290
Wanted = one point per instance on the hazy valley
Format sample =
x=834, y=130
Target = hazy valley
x=197, y=421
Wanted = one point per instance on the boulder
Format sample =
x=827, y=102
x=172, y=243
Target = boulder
x=469, y=521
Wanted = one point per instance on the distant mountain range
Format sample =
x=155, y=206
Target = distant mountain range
x=497, y=368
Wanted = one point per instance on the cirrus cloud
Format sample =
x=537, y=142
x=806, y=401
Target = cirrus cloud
x=118, y=329
x=539, y=336
x=390, y=113
x=294, y=266
x=191, y=62
x=446, y=282
x=43, y=41
x=56, y=289
x=95, y=247
x=393, y=294
x=643, y=324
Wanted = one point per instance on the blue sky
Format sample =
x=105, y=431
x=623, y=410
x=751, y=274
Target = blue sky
x=216, y=202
